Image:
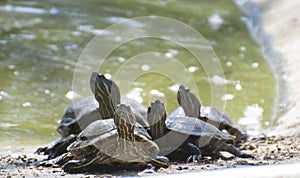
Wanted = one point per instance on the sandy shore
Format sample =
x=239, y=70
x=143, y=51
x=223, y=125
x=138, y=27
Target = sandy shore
x=281, y=21
x=266, y=150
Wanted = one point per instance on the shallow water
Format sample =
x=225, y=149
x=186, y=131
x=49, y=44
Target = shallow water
x=41, y=41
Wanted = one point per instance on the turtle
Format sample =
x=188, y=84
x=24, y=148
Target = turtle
x=88, y=110
x=172, y=132
x=192, y=108
x=100, y=106
x=118, y=142
x=172, y=144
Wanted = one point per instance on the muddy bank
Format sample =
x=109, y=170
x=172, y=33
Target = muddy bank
x=266, y=150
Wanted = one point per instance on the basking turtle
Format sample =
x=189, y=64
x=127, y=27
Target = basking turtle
x=192, y=108
x=172, y=143
x=88, y=110
x=100, y=106
x=174, y=131
x=120, y=142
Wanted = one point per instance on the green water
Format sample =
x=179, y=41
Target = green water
x=41, y=41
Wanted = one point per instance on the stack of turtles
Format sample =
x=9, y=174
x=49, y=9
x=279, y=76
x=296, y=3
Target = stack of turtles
x=192, y=131
x=98, y=133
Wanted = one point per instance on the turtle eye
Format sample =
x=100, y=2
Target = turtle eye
x=83, y=138
x=149, y=110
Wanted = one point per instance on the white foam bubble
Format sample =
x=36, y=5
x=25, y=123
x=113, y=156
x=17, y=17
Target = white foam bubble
x=227, y=97
x=7, y=125
x=192, y=69
x=174, y=87
x=12, y=67
x=243, y=48
x=118, y=38
x=26, y=104
x=108, y=75
x=252, y=117
x=53, y=47
x=135, y=94
x=145, y=67
x=157, y=93
x=173, y=51
x=4, y=93
x=76, y=33
x=20, y=9
x=255, y=65
x=169, y=55
x=16, y=73
x=215, y=21
x=217, y=80
x=121, y=59
x=72, y=95
x=238, y=86
x=47, y=92
x=228, y=64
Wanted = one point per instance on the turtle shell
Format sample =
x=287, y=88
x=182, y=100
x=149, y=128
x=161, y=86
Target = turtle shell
x=87, y=139
x=208, y=138
x=182, y=133
x=223, y=121
x=84, y=112
x=79, y=116
x=192, y=108
x=195, y=127
x=101, y=137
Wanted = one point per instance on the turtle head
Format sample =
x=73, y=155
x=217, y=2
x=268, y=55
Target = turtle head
x=156, y=112
x=189, y=102
x=125, y=120
x=156, y=116
x=107, y=94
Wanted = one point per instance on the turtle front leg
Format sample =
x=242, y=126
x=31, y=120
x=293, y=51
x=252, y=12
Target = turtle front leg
x=235, y=151
x=193, y=150
x=84, y=165
x=160, y=161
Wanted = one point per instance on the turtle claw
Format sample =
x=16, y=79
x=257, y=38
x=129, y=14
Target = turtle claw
x=194, y=158
x=160, y=161
x=246, y=155
x=71, y=166
x=56, y=162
